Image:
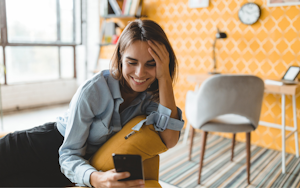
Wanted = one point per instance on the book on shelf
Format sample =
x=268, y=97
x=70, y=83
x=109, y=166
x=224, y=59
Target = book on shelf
x=127, y=7
x=109, y=32
x=139, y=9
x=112, y=31
x=124, y=7
x=134, y=7
x=115, y=6
x=103, y=7
x=110, y=7
x=120, y=3
x=120, y=7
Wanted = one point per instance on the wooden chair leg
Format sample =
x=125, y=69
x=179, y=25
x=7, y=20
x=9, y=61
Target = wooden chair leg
x=202, y=154
x=248, y=141
x=232, y=146
x=191, y=142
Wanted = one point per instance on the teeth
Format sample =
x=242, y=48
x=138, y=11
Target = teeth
x=139, y=81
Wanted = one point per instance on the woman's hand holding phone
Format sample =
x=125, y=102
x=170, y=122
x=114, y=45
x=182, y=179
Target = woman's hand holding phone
x=110, y=179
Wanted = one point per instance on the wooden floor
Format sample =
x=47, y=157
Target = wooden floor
x=26, y=119
x=219, y=171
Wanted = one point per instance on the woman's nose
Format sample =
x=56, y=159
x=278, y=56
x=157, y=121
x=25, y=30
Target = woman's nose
x=140, y=71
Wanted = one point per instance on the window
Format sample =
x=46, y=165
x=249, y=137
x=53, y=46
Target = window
x=1, y=66
x=68, y=58
x=39, y=39
x=31, y=21
x=31, y=63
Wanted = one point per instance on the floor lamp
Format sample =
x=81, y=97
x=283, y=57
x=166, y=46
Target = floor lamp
x=219, y=35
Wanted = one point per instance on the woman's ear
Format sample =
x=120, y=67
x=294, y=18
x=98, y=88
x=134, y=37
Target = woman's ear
x=120, y=65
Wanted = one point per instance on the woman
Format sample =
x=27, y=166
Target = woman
x=139, y=82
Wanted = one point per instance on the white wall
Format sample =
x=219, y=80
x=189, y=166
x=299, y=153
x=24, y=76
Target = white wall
x=24, y=96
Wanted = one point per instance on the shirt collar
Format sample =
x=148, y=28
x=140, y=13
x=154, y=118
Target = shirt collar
x=114, y=86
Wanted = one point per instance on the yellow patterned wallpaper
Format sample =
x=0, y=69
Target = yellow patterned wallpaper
x=265, y=49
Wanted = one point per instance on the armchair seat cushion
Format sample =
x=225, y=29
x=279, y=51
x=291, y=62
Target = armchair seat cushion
x=231, y=123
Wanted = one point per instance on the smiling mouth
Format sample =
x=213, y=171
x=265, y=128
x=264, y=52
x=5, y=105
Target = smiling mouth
x=139, y=81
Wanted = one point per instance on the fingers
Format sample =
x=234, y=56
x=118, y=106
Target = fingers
x=130, y=183
x=110, y=179
x=119, y=176
x=164, y=49
x=122, y=175
x=153, y=46
x=154, y=55
x=112, y=170
x=159, y=49
x=160, y=46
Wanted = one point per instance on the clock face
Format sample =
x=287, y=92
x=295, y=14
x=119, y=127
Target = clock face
x=249, y=13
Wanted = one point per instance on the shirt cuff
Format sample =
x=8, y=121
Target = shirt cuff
x=87, y=177
x=161, y=120
x=176, y=124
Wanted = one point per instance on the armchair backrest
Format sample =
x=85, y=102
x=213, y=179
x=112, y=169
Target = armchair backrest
x=230, y=94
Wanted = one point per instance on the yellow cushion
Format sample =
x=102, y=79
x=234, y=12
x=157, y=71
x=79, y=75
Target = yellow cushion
x=146, y=143
x=151, y=168
x=152, y=183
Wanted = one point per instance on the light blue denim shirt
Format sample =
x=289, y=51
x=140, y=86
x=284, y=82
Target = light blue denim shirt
x=93, y=117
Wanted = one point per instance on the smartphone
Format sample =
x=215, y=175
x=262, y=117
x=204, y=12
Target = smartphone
x=129, y=163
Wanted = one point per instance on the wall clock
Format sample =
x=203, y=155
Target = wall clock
x=249, y=13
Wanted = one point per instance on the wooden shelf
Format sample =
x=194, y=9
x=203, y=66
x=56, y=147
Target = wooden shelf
x=120, y=16
x=106, y=44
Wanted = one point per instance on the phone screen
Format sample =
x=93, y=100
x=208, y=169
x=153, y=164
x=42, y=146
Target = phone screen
x=129, y=163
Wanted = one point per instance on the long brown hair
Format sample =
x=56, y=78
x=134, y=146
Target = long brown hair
x=141, y=30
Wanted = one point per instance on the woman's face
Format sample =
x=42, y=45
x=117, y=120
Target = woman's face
x=139, y=67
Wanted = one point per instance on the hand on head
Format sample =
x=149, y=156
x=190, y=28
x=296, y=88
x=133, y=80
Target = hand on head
x=161, y=56
x=110, y=179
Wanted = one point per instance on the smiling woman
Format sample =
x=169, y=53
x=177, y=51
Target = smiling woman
x=143, y=32
x=138, y=83
x=138, y=66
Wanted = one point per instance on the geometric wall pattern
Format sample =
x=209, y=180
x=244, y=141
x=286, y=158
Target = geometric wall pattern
x=265, y=49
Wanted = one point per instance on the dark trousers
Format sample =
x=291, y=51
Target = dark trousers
x=30, y=158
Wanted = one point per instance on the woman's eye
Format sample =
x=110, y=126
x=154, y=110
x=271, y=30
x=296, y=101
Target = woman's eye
x=152, y=65
x=131, y=63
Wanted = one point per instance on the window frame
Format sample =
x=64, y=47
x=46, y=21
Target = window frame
x=4, y=42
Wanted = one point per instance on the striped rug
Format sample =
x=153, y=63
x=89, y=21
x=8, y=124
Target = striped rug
x=219, y=171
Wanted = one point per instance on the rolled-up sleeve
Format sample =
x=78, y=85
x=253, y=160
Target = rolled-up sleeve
x=166, y=122
x=159, y=116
